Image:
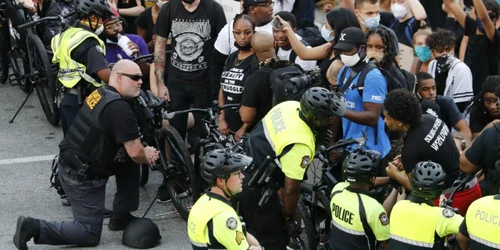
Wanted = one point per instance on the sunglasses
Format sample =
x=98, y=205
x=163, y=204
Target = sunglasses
x=133, y=77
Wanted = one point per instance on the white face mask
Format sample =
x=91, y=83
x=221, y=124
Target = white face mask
x=350, y=61
x=161, y=3
x=99, y=30
x=398, y=10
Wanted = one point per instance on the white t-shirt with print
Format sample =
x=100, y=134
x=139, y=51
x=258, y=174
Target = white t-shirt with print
x=305, y=65
x=225, y=40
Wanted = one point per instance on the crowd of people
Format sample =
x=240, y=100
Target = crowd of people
x=431, y=128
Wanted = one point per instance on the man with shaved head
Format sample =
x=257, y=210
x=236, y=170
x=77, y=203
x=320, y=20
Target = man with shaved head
x=101, y=142
x=257, y=97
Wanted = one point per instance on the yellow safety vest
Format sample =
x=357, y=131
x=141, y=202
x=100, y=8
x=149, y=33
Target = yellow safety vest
x=224, y=218
x=283, y=126
x=70, y=71
x=483, y=222
x=414, y=225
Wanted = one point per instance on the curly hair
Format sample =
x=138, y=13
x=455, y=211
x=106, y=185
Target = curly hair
x=441, y=40
x=404, y=106
x=389, y=54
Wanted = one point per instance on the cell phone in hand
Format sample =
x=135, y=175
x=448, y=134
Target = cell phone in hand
x=276, y=24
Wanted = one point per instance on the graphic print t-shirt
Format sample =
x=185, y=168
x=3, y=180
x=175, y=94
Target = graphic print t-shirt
x=192, y=40
x=232, y=84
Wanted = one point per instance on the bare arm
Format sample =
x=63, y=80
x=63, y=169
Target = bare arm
x=152, y=80
x=368, y=117
x=466, y=166
x=463, y=48
x=134, y=11
x=482, y=14
x=290, y=197
x=136, y=151
x=160, y=45
x=248, y=115
x=252, y=241
x=462, y=126
x=418, y=10
x=104, y=74
x=463, y=241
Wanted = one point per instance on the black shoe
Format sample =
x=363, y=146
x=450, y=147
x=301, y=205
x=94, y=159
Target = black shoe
x=26, y=229
x=164, y=197
x=119, y=221
x=107, y=213
x=65, y=201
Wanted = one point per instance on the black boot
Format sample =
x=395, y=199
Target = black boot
x=26, y=229
x=119, y=221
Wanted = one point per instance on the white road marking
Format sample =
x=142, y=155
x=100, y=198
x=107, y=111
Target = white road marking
x=27, y=159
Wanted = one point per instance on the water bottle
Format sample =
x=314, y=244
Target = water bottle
x=123, y=43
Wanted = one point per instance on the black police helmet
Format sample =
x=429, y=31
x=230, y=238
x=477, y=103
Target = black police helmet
x=359, y=166
x=318, y=105
x=141, y=233
x=99, y=8
x=220, y=163
x=428, y=180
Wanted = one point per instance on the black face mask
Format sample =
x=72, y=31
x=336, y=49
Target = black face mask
x=242, y=48
x=188, y=1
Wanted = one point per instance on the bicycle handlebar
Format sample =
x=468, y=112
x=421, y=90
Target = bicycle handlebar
x=43, y=19
x=205, y=110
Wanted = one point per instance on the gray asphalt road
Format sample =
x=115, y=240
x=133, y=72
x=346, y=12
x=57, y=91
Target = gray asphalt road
x=24, y=179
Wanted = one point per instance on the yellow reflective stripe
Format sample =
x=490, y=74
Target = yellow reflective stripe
x=412, y=242
x=484, y=242
x=347, y=230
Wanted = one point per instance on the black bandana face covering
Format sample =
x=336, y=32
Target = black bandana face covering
x=188, y=1
x=243, y=48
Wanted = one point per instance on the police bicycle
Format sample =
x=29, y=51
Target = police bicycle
x=214, y=139
x=315, y=195
x=179, y=176
x=28, y=58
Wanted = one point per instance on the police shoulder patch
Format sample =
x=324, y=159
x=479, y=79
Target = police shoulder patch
x=448, y=213
x=239, y=237
x=305, y=161
x=384, y=220
x=99, y=48
x=231, y=223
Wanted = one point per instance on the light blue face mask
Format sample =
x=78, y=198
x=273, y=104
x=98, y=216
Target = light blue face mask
x=423, y=53
x=327, y=34
x=371, y=22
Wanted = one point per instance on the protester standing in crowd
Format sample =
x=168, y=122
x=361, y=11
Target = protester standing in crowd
x=146, y=22
x=484, y=108
x=423, y=55
x=406, y=18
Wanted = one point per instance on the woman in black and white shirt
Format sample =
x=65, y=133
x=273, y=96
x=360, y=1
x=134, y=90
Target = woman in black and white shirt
x=237, y=68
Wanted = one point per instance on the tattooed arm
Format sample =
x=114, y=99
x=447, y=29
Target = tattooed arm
x=139, y=153
x=160, y=45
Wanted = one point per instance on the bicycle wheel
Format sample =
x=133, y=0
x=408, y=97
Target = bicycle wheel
x=322, y=220
x=44, y=79
x=144, y=174
x=182, y=181
x=307, y=235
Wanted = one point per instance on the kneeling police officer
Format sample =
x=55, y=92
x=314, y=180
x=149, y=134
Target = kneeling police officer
x=102, y=141
x=213, y=223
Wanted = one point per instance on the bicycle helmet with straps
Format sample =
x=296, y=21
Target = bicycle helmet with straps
x=99, y=8
x=318, y=105
x=220, y=163
x=360, y=165
x=428, y=180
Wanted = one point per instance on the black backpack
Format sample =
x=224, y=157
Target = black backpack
x=288, y=83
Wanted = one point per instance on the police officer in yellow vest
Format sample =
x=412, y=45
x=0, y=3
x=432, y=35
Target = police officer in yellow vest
x=416, y=223
x=481, y=227
x=286, y=135
x=358, y=220
x=80, y=55
x=213, y=223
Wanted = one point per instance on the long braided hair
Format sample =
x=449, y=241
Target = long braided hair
x=389, y=53
x=490, y=85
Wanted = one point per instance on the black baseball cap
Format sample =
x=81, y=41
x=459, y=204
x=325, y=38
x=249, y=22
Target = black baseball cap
x=248, y=3
x=350, y=37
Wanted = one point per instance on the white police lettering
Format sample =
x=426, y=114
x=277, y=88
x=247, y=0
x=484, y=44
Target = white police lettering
x=487, y=217
x=376, y=98
x=440, y=138
x=277, y=120
x=433, y=131
x=342, y=35
x=190, y=37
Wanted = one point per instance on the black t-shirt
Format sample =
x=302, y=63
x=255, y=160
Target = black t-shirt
x=125, y=4
x=400, y=28
x=481, y=55
x=145, y=21
x=232, y=83
x=193, y=37
x=482, y=151
x=449, y=111
x=258, y=93
x=435, y=13
x=323, y=67
x=479, y=117
x=431, y=140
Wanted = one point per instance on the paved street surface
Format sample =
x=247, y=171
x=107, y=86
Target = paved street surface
x=26, y=151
